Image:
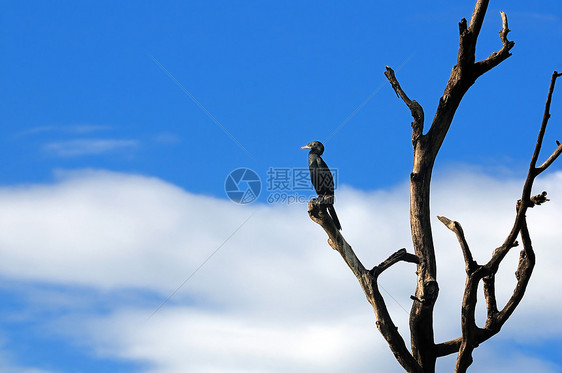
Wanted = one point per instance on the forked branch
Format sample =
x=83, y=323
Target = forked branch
x=497, y=57
x=369, y=283
x=546, y=117
x=526, y=199
x=472, y=335
x=466, y=71
x=413, y=105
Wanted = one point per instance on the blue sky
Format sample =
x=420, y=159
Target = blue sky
x=122, y=120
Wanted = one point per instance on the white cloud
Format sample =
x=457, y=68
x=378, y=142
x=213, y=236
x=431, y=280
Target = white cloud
x=79, y=147
x=182, y=339
x=275, y=297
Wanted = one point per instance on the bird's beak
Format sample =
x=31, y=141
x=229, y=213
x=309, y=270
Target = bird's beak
x=305, y=147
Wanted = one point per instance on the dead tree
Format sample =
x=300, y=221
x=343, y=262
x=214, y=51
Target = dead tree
x=424, y=349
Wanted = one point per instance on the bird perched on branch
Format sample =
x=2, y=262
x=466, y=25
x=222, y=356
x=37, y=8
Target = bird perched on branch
x=322, y=178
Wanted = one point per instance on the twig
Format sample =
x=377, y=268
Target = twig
x=415, y=108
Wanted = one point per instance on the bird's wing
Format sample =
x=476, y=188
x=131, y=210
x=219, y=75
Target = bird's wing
x=324, y=179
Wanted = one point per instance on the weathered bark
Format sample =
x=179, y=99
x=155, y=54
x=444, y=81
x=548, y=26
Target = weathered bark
x=424, y=351
x=368, y=281
x=426, y=147
x=472, y=335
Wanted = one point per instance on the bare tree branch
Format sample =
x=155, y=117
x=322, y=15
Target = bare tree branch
x=468, y=324
x=318, y=213
x=400, y=255
x=466, y=71
x=526, y=200
x=449, y=347
x=523, y=274
x=384, y=321
x=472, y=335
x=550, y=159
x=368, y=281
x=490, y=296
x=497, y=57
x=478, y=17
x=427, y=289
x=470, y=264
x=546, y=117
x=415, y=108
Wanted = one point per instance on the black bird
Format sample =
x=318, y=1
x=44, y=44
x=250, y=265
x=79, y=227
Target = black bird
x=322, y=178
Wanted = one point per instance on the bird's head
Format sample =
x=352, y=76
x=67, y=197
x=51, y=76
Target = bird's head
x=315, y=147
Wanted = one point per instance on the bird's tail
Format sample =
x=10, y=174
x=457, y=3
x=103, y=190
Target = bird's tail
x=332, y=212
